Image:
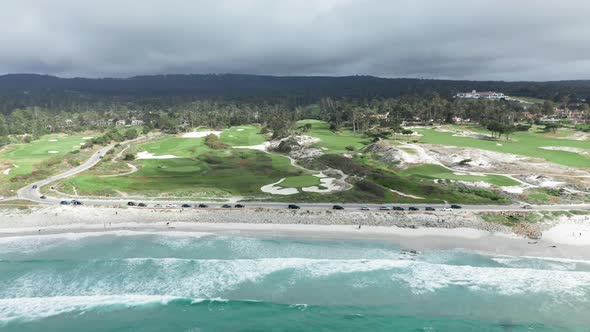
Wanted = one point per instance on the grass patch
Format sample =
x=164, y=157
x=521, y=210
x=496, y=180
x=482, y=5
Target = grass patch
x=300, y=181
x=334, y=142
x=521, y=143
x=243, y=136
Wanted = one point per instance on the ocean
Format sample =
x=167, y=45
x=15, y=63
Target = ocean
x=178, y=281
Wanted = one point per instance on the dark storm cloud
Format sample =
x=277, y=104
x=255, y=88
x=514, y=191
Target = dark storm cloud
x=460, y=39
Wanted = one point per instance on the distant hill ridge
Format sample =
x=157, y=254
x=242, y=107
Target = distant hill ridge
x=237, y=85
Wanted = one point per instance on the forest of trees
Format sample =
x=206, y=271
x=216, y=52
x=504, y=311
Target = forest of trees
x=37, y=105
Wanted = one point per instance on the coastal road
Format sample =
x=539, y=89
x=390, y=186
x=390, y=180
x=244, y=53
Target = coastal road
x=32, y=193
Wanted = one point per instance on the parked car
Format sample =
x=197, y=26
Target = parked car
x=430, y=208
x=337, y=207
x=186, y=206
x=171, y=205
x=64, y=202
x=239, y=206
x=398, y=208
x=384, y=208
x=76, y=202
x=293, y=207
x=131, y=204
x=34, y=186
x=447, y=209
x=203, y=205
x=43, y=197
x=527, y=207
x=226, y=206
x=158, y=205
x=413, y=208
x=142, y=204
x=455, y=206
x=365, y=208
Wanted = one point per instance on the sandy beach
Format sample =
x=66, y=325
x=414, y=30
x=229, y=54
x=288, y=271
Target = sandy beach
x=421, y=231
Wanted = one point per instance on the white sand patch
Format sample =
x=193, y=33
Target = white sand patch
x=274, y=189
x=577, y=234
x=52, y=152
x=82, y=143
x=551, y=184
x=419, y=156
x=499, y=144
x=479, y=184
x=260, y=147
x=577, y=136
x=327, y=184
x=514, y=189
x=199, y=134
x=567, y=149
x=405, y=195
x=240, y=129
x=52, y=140
x=88, y=137
x=148, y=155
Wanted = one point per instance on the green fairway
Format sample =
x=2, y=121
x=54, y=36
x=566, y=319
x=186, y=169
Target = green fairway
x=243, y=136
x=439, y=172
x=334, y=142
x=25, y=156
x=215, y=173
x=300, y=181
x=521, y=143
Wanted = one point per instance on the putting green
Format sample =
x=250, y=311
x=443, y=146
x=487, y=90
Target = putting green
x=25, y=156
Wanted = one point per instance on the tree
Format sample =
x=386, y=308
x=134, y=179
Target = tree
x=129, y=157
x=130, y=133
x=552, y=126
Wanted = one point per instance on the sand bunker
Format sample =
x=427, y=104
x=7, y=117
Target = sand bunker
x=240, y=129
x=199, y=134
x=328, y=184
x=52, y=152
x=52, y=140
x=274, y=189
x=148, y=155
x=260, y=147
x=567, y=149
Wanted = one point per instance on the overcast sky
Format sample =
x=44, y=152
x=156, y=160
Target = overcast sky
x=457, y=39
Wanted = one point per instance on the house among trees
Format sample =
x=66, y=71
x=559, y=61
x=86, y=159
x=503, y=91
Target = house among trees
x=120, y=123
x=136, y=122
x=481, y=95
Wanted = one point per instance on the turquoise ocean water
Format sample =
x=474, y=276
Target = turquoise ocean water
x=173, y=281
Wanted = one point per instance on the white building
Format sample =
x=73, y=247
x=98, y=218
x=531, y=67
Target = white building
x=481, y=95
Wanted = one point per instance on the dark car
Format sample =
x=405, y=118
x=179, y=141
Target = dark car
x=294, y=207
x=186, y=205
x=141, y=204
x=226, y=206
x=239, y=206
x=398, y=208
x=34, y=187
x=337, y=207
x=131, y=204
x=430, y=208
x=455, y=206
x=76, y=202
x=203, y=205
x=43, y=197
x=64, y=202
x=413, y=208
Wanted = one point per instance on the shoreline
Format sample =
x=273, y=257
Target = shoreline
x=420, y=234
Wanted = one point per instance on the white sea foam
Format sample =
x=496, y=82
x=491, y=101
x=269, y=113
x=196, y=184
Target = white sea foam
x=30, y=308
x=35, y=243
